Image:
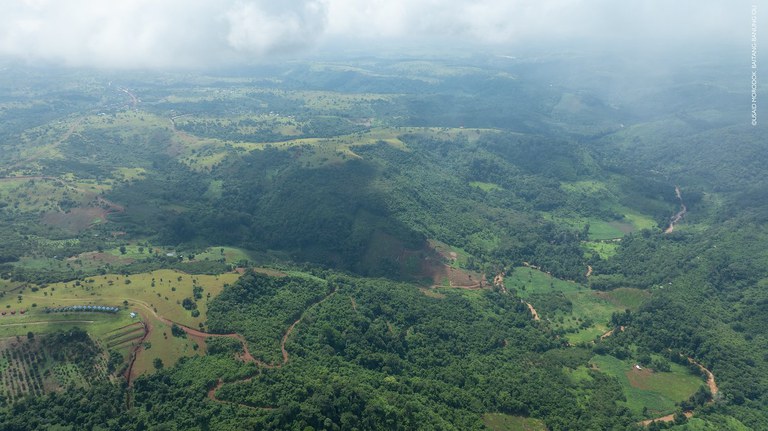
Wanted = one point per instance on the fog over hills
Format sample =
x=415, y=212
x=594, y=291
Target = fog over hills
x=201, y=33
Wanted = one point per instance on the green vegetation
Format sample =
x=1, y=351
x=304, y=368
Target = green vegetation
x=486, y=187
x=502, y=422
x=650, y=390
x=322, y=246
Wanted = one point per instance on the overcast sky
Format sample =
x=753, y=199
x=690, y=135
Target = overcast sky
x=198, y=33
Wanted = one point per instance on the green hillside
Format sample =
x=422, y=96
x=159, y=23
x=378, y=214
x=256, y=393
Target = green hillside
x=380, y=243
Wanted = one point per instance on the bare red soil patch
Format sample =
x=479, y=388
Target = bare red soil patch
x=638, y=377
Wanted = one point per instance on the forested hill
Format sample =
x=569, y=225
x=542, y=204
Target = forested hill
x=482, y=242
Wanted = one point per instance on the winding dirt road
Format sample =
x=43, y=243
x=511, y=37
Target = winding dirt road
x=667, y=418
x=249, y=358
x=711, y=383
x=680, y=214
x=688, y=414
x=533, y=311
x=611, y=332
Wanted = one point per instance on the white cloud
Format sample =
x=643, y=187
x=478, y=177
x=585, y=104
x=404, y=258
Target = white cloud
x=190, y=33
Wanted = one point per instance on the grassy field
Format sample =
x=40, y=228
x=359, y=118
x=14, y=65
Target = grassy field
x=604, y=249
x=486, y=187
x=231, y=255
x=123, y=255
x=8, y=285
x=625, y=297
x=606, y=193
x=162, y=344
x=162, y=292
x=591, y=310
x=201, y=154
x=38, y=322
x=656, y=391
x=502, y=422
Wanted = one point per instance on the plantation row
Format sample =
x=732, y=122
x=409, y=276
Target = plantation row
x=24, y=370
x=88, y=308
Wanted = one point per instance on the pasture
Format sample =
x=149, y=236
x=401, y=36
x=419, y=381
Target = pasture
x=155, y=296
x=604, y=249
x=645, y=388
x=583, y=314
x=502, y=422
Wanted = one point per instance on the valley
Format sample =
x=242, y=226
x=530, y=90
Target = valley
x=289, y=248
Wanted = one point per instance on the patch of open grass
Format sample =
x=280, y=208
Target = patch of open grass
x=602, y=230
x=231, y=255
x=590, y=312
x=528, y=280
x=502, y=422
x=215, y=189
x=657, y=391
x=625, y=297
x=604, y=249
x=578, y=375
x=456, y=257
x=38, y=322
x=486, y=187
x=161, y=290
x=130, y=174
x=162, y=344
x=638, y=220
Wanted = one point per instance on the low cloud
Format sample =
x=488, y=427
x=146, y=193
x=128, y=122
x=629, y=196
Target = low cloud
x=200, y=33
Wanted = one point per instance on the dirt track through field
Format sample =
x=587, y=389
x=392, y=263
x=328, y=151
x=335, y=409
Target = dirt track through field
x=711, y=383
x=667, y=418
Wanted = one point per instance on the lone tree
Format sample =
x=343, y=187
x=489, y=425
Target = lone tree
x=158, y=363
